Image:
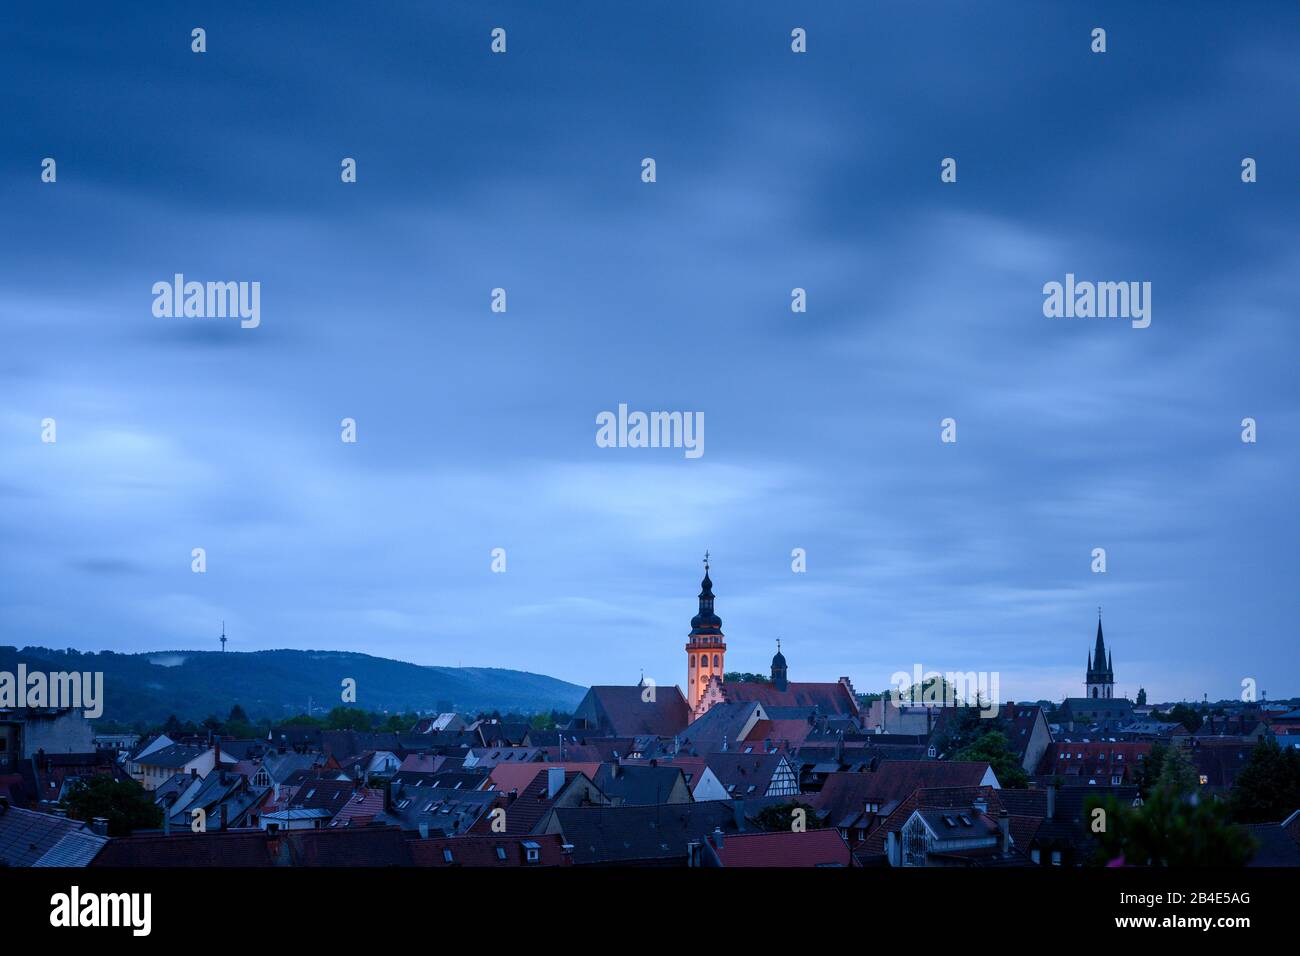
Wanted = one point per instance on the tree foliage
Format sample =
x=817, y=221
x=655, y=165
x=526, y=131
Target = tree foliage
x=1268, y=788
x=126, y=805
x=991, y=746
x=1174, y=827
x=779, y=817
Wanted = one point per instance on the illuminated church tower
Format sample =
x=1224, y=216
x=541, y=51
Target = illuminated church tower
x=705, y=649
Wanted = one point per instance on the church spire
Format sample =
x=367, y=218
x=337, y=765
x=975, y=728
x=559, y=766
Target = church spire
x=705, y=646
x=1101, y=677
x=1099, y=654
x=780, y=673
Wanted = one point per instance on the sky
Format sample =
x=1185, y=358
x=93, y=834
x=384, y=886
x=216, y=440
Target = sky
x=774, y=170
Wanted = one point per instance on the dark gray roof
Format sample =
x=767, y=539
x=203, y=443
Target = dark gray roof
x=27, y=837
x=177, y=755
x=651, y=835
x=77, y=848
x=637, y=785
x=1274, y=846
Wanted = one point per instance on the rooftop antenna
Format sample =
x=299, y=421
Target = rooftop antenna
x=223, y=636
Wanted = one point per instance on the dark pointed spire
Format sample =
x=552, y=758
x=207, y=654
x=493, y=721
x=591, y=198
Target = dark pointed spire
x=706, y=622
x=1099, y=654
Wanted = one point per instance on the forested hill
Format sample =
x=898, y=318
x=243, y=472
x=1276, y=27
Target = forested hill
x=277, y=684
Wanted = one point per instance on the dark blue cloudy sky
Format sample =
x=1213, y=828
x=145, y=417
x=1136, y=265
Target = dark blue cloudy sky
x=775, y=170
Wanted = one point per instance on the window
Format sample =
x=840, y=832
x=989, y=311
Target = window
x=1056, y=858
x=501, y=853
x=1204, y=780
x=1035, y=856
x=446, y=856
x=715, y=660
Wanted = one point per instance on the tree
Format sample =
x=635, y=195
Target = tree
x=237, y=714
x=745, y=677
x=304, y=720
x=348, y=718
x=1185, y=715
x=1149, y=769
x=173, y=727
x=1142, y=697
x=1170, y=829
x=780, y=817
x=959, y=728
x=991, y=746
x=1177, y=775
x=125, y=804
x=1268, y=788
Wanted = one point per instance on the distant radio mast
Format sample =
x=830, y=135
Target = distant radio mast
x=223, y=636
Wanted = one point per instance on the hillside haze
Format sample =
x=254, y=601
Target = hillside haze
x=277, y=684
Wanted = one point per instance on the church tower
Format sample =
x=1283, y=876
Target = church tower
x=780, y=672
x=1100, y=682
x=706, y=650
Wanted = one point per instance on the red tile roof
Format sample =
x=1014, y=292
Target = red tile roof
x=830, y=698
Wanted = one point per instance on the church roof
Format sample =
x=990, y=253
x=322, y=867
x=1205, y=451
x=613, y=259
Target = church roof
x=829, y=699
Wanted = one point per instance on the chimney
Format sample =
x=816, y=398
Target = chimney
x=554, y=781
x=719, y=838
x=1004, y=825
x=513, y=795
x=167, y=822
x=738, y=811
x=216, y=759
x=891, y=848
x=99, y=825
x=225, y=814
x=1051, y=801
x=424, y=829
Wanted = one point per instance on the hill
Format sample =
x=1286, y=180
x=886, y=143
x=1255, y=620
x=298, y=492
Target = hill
x=276, y=684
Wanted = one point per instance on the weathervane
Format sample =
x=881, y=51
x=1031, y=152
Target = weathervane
x=706, y=561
